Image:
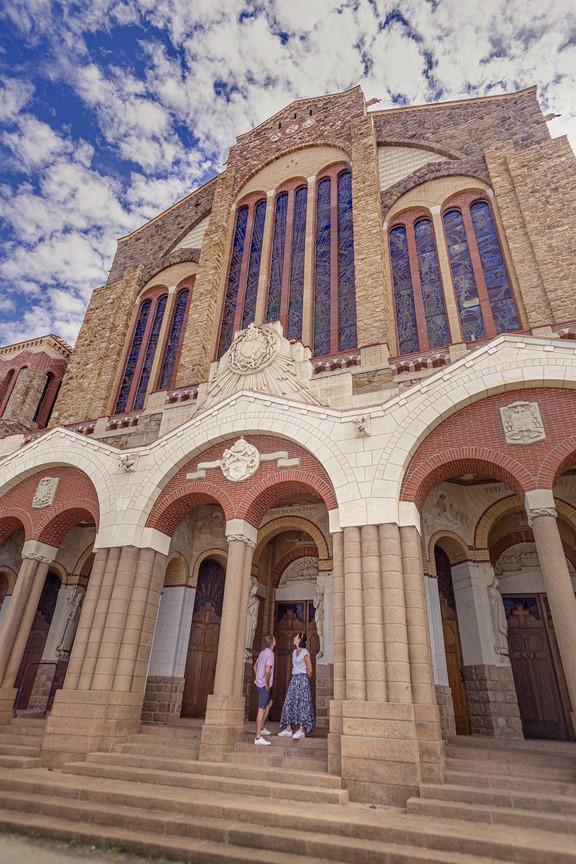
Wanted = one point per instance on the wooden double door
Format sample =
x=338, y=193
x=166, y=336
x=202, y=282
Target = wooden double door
x=204, y=637
x=538, y=675
x=292, y=618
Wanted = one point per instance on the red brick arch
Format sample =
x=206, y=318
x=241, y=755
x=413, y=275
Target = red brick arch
x=289, y=557
x=557, y=462
x=176, y=502
x=269, y=492
x=61, y=520
x=12, y=521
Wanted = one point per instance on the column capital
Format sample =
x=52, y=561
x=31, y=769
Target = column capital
x=541, y=511
x=539, y=502
x=239, y=529
x=36, y=551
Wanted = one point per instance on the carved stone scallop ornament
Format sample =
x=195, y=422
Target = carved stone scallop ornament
x=253, y=349
x=522, y=423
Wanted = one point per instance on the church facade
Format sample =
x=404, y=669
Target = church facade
x=332, y=391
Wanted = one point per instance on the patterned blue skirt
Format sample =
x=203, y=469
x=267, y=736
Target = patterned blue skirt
x=298, y=709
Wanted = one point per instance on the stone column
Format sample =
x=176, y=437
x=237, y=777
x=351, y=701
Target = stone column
x=394, y=609
x=353, y=615
x=426, y=712
x=224, y=722
x=372, y=610
x=339, y=637
x=36, y=558
x=540, y=507
x=490, y=689
x=101, y=702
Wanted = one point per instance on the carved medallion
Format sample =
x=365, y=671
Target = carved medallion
x=45, y=492
x=522, y=423
x=253, y=349
x=240, y=462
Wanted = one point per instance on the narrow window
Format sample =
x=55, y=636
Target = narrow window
x=493, y=269
x=295, y=302
x=346, y=279
x=5, y=388
x=403, y=292
x=133, y=355
x=150, y=352
x=322, y=269
x=463, y=277
x=141, y=355
x=227, y=326
x=431, y=285
x=277, y=259
x=251, y=292
x=39, y=407
x=174, y=339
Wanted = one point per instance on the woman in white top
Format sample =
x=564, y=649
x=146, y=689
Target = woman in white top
x=297, y=716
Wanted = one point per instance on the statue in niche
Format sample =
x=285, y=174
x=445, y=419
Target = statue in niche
x=499, y=623
x=318, y=601
x=74, y=603
x=252, y=619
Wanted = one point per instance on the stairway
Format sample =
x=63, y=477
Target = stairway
x=20, y=742
x=278, y=803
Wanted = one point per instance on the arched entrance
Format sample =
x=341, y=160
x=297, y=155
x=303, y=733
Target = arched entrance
x=204, y=635
x=34, y=650
x=452, y=643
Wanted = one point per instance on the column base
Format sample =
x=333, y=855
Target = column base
x=380, y=753
x=7, y=699
x=162, y=699
x=492, y=703
x=446, y=708
x=223, y=727
x=335, y=738
x=84, y=721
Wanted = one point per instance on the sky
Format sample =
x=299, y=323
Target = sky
x=112, y=110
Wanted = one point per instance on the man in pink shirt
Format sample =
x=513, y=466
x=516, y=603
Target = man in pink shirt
x=264, y=672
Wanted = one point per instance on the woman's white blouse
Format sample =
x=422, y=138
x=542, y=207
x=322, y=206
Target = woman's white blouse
x=298, y=662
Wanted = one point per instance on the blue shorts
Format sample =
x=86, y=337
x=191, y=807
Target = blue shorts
x=264, y=697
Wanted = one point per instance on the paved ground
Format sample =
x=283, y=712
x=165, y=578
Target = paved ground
x=16, y=849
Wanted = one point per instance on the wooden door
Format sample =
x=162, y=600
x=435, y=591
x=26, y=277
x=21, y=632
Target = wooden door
x=37, y=639
x=292, y=618
x=204, y=636
x=535, y=673
x=201, y=661
x=453, y=649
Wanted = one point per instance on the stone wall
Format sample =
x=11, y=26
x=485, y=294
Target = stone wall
x=446, y=708
x=162, y=699
x=492, y=703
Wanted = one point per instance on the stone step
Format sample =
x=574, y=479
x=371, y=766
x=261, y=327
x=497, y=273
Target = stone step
x=501, y=782
x=7, y=737
x=275, y=760
x=513, y=799
x=518, y=769
x=201, y=851
x=353, y=833
x=254, y=771
x=147, y=748
x=20, y=762
x=533, y=757
x=497, y=816
x=294, y=749
x=228, y=785
x=10, y=749
x=530, y=745
x=155, y=730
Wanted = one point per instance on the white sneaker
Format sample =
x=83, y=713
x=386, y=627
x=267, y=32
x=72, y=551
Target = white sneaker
x=262, y=742
x=286, y=733
x=299, y=734
x=265, y=732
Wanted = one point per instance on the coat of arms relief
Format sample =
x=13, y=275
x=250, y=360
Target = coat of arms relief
x=240, y=461
x=522, y=423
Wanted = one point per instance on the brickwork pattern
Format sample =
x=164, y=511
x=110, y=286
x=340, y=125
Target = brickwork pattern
x=492, y=703
x=447, y=451
x=162, y=699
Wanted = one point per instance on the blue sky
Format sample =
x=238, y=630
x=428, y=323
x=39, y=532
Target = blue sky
x=111, y=110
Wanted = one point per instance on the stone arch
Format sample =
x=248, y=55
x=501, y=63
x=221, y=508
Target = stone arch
x=77, y=570
x=495, y=510
x=454, y=546
x=268, y=179
x=175, y=502
x=557, y=462
x=12, y=520
x=55, y=528
x=60, y=571
x=10, y=576
x=289, y=558
x=217, y=554
x=176, y=573
x=268, y=492
x=423, y=474
x=292, y=523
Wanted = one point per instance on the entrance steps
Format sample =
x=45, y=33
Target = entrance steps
x=20, y=742
x=279, y=804
x=177, y=740
x=516, y=784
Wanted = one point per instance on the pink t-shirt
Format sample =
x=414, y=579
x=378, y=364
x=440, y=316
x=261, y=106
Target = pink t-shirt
x=265, y=658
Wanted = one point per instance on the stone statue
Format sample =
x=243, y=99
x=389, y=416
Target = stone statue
x=74, y=603
x=252, y=620
x=318, y=601
x=499, y=623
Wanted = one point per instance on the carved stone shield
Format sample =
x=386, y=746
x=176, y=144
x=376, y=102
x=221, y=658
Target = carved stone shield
x=240, y=462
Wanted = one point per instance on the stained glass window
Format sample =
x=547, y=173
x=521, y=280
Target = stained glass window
x=403, y=292
x=346, y=281
x=133, y=357
x=227, y=327
x=277, y=259
x=150, y=352
x=497, y=286
x=322, y=269
x=463, y=277
x=431, y=285
x=295, y=302
x=251, y=293
x=173, y=344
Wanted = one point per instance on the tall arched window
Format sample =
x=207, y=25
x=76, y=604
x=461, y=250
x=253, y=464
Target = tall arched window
x=334, y=277
x=166, y=377
x=138, y=367
x=421, y=318
x=286, y=281
x=6, y=388
x=40, y=406
x=479, y=276
x=243, y=270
